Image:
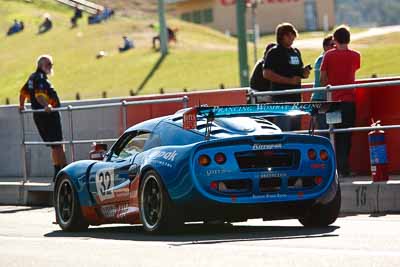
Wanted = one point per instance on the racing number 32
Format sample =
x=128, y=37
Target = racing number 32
x=105, y=183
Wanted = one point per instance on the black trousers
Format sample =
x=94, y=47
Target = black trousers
x=343, y=140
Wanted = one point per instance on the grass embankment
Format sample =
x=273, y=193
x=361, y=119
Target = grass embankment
x=202, y=58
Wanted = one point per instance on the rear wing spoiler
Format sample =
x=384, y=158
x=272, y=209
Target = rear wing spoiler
x=261, y=110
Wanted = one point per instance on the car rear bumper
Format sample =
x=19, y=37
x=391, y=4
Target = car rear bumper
x=203, y=209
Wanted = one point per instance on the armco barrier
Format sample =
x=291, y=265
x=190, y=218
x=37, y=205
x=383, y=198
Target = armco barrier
x=211, y=97
x=379, y=103
x=72, y=141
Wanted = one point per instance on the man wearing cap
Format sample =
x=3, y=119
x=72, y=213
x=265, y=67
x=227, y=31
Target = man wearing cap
x=43, y=96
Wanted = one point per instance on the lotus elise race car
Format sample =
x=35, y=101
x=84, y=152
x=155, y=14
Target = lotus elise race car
x=225, y=164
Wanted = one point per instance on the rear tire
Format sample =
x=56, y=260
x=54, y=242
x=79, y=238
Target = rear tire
x=322, y=215
x=156, y=211
x=67, y=207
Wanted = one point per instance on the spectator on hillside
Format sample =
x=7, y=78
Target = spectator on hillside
x=101, y=15
x=16, y=27
x=257, y=80
x=327, y=44
x=107, y=13
x=283, y=66
x=171, y=34
x=43, y=96
x=128, y=44
x=77, y=15
x=46, y=25
x=95, y=18
x=339, y=67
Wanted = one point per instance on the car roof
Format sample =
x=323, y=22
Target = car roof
x=147, y=125
x=221, y=127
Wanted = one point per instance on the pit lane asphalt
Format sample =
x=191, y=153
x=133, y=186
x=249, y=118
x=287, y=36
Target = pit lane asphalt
x=28, y=238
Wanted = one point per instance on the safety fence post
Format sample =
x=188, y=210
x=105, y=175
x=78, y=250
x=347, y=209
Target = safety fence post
x=185, y=101
x=23, y=196
x=71, y=129
x=23, y=150
x=124, y=116
x=331, y=126
x=252, y=97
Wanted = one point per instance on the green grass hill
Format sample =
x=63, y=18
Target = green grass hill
x=201, y=59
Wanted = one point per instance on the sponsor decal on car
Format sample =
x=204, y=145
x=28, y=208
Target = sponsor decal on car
x=163, y=163
x=272, y=174
x=164, y=158
x=269, y=195
x=318, y=166
x=105, y=183
x=217, y=172
x=115, y=211
x=169, y=156
x=266, y=146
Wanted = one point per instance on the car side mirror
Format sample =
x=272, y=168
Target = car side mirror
x=98, y=151
x=133, y=171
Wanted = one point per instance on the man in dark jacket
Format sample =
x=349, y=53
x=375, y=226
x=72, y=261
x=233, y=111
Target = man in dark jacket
x=257, y=80
x=284, y=67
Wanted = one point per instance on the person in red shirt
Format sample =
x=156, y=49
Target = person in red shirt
x=339, y=67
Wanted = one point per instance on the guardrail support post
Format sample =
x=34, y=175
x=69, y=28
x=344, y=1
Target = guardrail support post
x=185, y=101
x=252, y=97
x=331, y=126
x=71, y=129
x=124, y=116
x=23, y=150
x=23, y=194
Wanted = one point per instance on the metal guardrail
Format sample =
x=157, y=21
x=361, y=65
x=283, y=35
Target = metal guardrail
x=252, y=94
x=72, y=142
x=328, y=89
x=83, y=5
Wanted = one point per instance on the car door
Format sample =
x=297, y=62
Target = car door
x=109, y=180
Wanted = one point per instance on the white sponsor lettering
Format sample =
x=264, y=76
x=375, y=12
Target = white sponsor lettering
x=170, y=156
x=270, y=175
x=217, y=172
x=115, y=211
x=277, y=195
x=266, y=147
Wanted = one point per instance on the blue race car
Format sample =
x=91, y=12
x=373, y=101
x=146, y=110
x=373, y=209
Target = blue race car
x=223, y=164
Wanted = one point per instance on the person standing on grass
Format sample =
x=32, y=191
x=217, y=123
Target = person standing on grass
x=43, y=96
x=339, y=67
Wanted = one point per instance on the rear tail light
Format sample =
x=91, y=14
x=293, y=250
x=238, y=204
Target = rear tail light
x=220, y=158
x=323, y=155
x=214, y=185
x=204, y=160
x=312, y=154
x=318, y=180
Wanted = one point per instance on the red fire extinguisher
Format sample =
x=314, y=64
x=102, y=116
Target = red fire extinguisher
x=378, y=154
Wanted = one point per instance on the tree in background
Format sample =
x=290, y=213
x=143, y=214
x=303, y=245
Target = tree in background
x=368, y=12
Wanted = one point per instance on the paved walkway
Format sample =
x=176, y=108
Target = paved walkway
x=315, y=43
